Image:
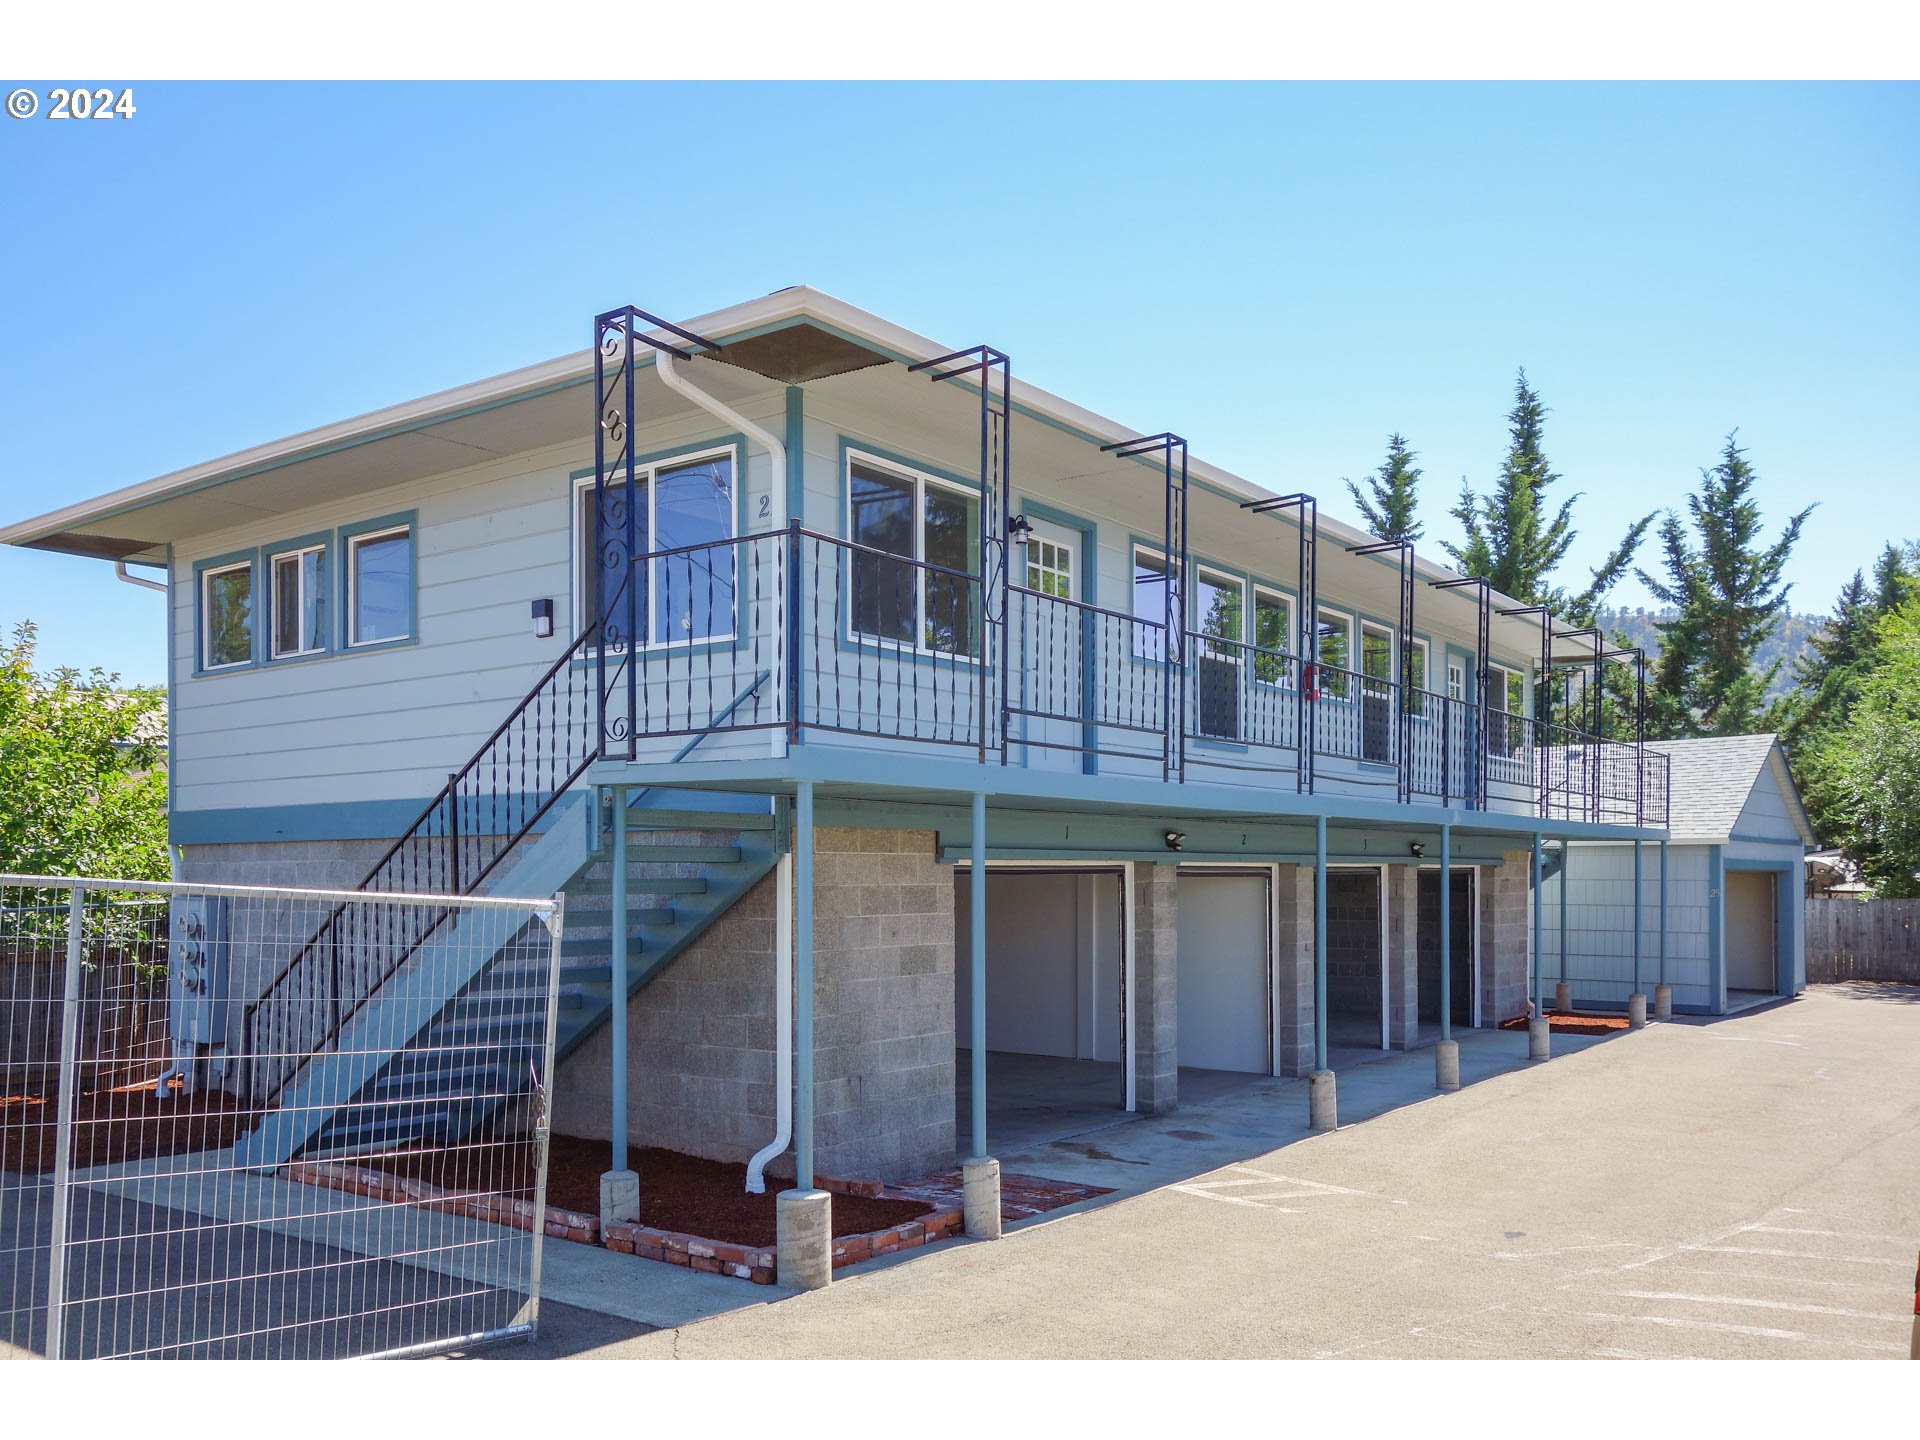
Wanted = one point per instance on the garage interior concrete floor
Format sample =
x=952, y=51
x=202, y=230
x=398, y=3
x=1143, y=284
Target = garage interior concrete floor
x=1034, y=1099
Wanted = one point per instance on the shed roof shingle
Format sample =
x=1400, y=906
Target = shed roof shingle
x=1711, y=778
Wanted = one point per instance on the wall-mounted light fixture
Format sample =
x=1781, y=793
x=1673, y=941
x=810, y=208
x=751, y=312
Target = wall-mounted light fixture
x=1175, y=839
x=1418, y=849
x=1020, y=529
x=543, y=619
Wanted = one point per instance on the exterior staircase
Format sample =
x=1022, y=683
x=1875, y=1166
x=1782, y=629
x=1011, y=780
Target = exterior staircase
x=687, y=863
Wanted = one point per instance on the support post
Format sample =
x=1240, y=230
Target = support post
x=980, y=1194
x=1663, y=992
x=1323, y=1110
x=620, y=1186
x=1563, y=992
x=1539, y=1028
x=1637, y=1001
x=803, y=1216
x=803, y=987
x=1446, y=1055
x=63, y=1125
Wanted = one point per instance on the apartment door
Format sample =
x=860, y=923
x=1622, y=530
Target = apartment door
x=1051, y=646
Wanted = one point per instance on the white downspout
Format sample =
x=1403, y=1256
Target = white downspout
x=674, y=380
x=782, y=1028
x=120, y=573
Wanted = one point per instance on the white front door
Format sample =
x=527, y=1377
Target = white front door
x=1049, y=640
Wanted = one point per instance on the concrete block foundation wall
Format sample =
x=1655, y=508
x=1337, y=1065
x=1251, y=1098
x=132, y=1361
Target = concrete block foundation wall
x=1156, y=979
x=1505, y=934
x=701, y=1034
x=1293, y=970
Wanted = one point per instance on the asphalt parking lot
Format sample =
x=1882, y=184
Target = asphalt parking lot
x=1742, y=1188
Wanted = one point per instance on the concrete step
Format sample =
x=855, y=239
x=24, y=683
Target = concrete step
x=640, y=850
x=699, y=819
x=595, y=893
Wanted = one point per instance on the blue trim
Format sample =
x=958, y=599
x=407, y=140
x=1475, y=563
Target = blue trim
x=796, y=477
x=342, y=538
x=1717, y=928
x=232, y=560
x=323, y=541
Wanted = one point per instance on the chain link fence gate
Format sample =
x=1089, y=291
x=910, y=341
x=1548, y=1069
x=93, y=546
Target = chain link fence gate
x=246, y=1122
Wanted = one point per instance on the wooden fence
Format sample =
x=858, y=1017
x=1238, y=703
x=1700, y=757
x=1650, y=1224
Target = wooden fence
x=1863, y=940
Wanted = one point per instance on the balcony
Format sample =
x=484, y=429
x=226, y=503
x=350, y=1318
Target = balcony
x=802, y=632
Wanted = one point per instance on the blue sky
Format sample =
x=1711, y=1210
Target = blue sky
x=1303, y=269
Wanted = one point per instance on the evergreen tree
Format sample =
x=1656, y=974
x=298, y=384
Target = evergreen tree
x=1726, y=594
x=1389, y=502
x=1509, y=537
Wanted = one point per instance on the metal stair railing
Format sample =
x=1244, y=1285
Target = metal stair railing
x=486, y=808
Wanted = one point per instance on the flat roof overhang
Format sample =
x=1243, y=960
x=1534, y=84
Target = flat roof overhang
x=792, y=336
x=847, y=773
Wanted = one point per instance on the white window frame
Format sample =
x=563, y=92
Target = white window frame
x=1289, y=670
x=644, y=472
x=1497, y=684
x=207, y=576
x=921, y=480
x=348, y=595
x=274, y=557
x=1348, y=670
x=1417, y=702
x=1169, y=569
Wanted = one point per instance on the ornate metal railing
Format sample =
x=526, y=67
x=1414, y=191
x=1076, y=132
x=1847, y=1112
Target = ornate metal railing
x=866, y=642
x=486, y=808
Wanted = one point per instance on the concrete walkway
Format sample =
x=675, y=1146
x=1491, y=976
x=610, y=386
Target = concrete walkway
x=1740, y=1187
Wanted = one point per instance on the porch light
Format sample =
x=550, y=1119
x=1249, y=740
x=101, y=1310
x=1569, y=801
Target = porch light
x=543, y=619
x=1020, y=530
x=1419, y=849
x=1175, y=839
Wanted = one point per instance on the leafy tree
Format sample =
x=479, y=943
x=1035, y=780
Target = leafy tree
x=1389, y=502
x=1727, y=594
x=1864, y=773
x=82, y=770
x=1511, y=539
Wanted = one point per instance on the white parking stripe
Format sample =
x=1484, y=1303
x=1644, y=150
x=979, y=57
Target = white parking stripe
x=1764, y=1331
x=1797, y=1255
x=1757, y=1304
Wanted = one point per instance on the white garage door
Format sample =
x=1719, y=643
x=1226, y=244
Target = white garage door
x=1750, y=924
x=1223, y=1000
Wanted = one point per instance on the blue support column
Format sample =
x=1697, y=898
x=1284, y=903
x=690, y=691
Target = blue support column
x=1663, y=912
x=803, y=988
x=1320, y=942
x=1566, y=863
x=977, y=977
x=1446, y=932
x=617, y=858
x=1538, y=979
x=1637, y=927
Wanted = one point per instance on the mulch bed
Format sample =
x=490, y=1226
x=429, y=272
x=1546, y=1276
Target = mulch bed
x=1565, y=1022
x=129, y=1122
x=677, y=1192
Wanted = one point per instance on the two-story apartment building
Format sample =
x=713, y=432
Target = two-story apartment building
x=816, y=622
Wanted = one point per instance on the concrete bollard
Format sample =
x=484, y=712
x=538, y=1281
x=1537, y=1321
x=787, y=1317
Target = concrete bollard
x=1562, y=997
x=803, y=1238
x=1663, y=1002
x=1539, y=1038
x=1323, y=1102
x=1636, y=1012
x=1446, y=1065
x=619, y=1197
x=980, y=1197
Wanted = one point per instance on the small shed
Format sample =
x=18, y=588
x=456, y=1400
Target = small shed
x=1736, y=874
